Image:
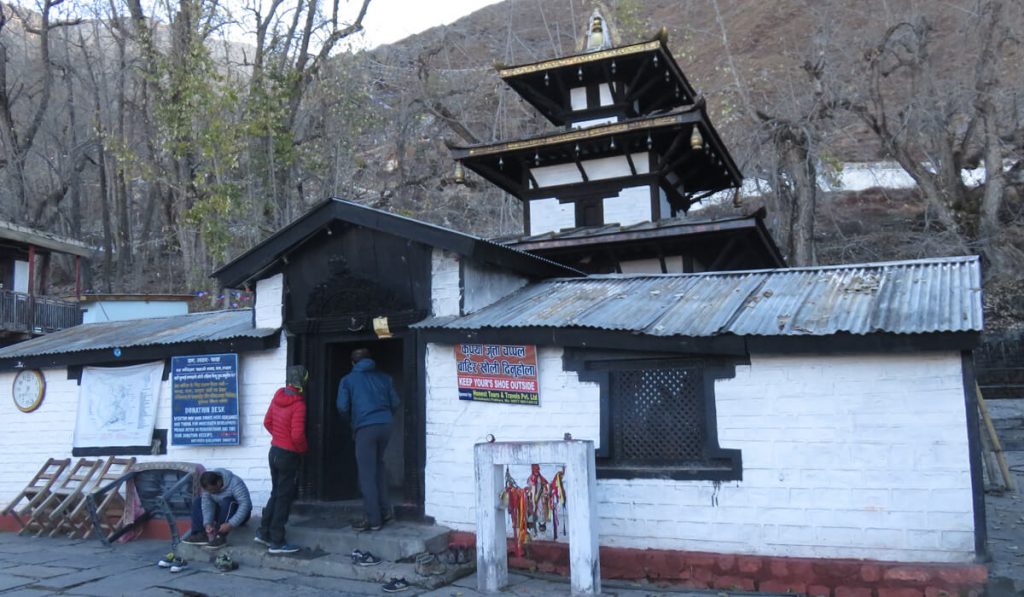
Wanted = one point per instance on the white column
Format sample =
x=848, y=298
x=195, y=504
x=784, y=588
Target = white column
x=581, y=495
x=491, y=545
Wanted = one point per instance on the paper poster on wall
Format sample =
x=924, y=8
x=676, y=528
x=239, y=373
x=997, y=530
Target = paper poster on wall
x=204, y=400
x=504, y=373
x=117, y=405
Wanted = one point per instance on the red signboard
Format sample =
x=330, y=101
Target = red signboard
x=505, y=373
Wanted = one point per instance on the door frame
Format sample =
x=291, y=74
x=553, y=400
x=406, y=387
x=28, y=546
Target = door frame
x=312, y=350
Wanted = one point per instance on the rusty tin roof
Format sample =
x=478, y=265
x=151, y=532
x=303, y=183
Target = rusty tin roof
x=905, y=297
x=179, y=329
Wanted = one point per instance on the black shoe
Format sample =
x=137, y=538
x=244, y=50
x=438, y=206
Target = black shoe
x=217, y=542
x=364, y=525
x=196, y=538
x=368, y=559
x=396, y=585
x=259, y=537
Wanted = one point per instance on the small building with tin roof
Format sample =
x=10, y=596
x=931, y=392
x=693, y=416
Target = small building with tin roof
x=804, y=417
x=341, y=276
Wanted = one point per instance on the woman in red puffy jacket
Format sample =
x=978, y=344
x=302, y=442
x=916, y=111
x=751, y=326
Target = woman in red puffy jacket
x=286, y=422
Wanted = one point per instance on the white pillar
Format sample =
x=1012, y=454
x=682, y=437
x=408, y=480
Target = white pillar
x=581, y=491
x=491, y=545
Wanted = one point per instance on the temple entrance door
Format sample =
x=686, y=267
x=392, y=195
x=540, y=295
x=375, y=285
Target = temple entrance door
x=337, y=463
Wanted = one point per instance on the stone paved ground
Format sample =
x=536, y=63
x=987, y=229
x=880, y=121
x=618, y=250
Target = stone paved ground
x=1005, y=513
x=35, y=567
x=43, y=566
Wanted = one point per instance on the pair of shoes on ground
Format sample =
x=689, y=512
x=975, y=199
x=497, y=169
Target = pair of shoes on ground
x=396, y=585
x=224, y=563
x=198, y=538
x=456, y=555
x=364, y=525
x=364, y=558
x=275, y=547
x=173, y=561
x=427, y=564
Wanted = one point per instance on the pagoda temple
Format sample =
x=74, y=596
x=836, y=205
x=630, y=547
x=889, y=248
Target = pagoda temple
x=634, y=151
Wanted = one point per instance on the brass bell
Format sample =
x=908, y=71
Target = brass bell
x=696, y=140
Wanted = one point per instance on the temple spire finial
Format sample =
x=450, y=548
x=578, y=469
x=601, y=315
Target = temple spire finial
x=598, y=37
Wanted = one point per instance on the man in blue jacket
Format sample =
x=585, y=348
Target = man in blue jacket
x=369, y=398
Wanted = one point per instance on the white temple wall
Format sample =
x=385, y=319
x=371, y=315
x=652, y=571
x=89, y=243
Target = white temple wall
x=269, y=307
x=48, y=432
x=860, y=456
x=485, y=285
x=631, y=206
x=549, y=215
x=445, y=291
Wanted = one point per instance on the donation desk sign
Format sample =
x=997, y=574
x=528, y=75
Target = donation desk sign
x=204, y=400
x=505, y=373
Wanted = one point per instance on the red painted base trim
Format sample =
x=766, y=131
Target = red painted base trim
x=152, y=529
x=816, y=577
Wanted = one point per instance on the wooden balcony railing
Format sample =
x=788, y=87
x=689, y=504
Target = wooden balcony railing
x=20, y=312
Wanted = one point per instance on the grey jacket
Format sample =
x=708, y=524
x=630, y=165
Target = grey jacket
x=233, y=487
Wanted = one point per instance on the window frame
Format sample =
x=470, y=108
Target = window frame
x=597, y=366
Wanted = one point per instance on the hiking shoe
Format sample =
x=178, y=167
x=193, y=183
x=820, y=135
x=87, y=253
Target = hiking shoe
x=450, y=556
x=217, y=542
x=169, y=560
x=368, y=559
x=356, y=556
x=179, y=566
x=284, y=548
x=396, y=585
x=429, y=565
x=224, y=563
x=364, y=525
x=259, y=538
x=196, y=538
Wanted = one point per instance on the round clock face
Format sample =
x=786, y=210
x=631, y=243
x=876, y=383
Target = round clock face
x=28, y=390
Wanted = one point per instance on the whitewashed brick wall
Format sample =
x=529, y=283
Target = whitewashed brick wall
x=445, y=294
x=632, y=205
x=548, y=215
x=843, y=456
x=270, y=302
x=453, y=426
x=29, y=439
x=485, y=285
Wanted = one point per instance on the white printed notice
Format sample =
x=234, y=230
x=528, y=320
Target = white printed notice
x=117, y=405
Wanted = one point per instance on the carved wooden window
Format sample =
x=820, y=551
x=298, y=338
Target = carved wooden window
x=658, y=416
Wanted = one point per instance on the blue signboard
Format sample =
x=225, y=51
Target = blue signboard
x=204, y=400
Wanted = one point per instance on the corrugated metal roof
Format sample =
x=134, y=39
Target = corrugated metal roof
x=681, y=222
x=179, y=329
x=906, y=297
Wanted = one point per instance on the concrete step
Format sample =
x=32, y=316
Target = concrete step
x=398, y=540
x=326, y=552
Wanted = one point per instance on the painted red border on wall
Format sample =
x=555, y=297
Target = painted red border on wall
x=152, y=529
x=817, y=577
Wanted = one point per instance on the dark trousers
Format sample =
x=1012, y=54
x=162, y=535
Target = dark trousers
x=284, y=476
x=371, y=441
x=222, y=511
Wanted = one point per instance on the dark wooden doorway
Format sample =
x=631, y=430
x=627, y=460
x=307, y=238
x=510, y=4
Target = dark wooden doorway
x=331, y=472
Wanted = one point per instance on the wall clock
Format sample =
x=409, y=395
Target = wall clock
x=29, y=387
